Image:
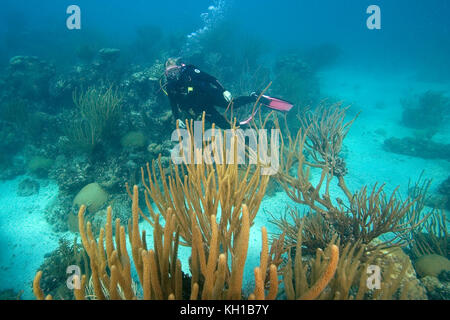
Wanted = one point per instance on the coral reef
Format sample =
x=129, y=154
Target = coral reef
x=103, y=118
x=421, y=148
x=400, y=267
x=429, y=110
x=55, y=267
x=28, y=77
x=158, y=269
x=71, y=178
x=189, y=206
x=436, y=289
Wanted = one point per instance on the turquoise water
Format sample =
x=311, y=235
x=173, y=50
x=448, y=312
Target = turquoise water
x=331, y=54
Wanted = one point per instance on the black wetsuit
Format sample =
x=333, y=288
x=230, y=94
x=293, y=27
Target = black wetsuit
x=195, y=91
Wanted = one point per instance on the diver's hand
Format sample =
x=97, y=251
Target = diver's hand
x=181, y=124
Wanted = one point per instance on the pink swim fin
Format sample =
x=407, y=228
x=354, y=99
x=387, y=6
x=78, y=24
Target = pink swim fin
x=272, y=103
x=276, y=104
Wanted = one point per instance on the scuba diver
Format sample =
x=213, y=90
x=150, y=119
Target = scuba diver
x=194, y=91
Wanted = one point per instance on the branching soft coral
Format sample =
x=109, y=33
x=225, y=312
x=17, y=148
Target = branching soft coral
x=159, y=269
x=363, y=215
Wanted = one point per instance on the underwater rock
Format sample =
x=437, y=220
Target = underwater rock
x=61, y=88
x=436, y=289
x=28, y=77
x=133, y=140
x=432, y=265
x=40, y=165
x=28, y=187
x=444, y=276
x=156, y=127
x=437, y=201
x=92, y=196
x=155, y=149
x=121, y=210
x=429, y=110
x=71, y=174
x=142, y=85
x=444, y=190
x=396, y=256
x=421, y=148
x=444, y=187
x=108, y=55
x=57, y=211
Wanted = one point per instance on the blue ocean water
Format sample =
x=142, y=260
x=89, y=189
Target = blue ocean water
x=397, y=76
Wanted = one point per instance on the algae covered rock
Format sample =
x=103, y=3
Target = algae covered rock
x=444, y=190
x=436, y=289
x=109, y=55
x=29, y=77
x=92, y=196
x=133, y=140
x=432, y=265
x=421, y=148
x=40, y=165
x=396, y=257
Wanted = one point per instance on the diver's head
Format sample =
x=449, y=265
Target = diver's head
x=172, y=68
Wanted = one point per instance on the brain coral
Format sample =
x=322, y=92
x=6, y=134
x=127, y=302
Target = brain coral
x=432, y=265
x=92, y=196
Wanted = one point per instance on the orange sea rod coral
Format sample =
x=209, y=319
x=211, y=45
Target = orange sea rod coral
x=326, y=277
